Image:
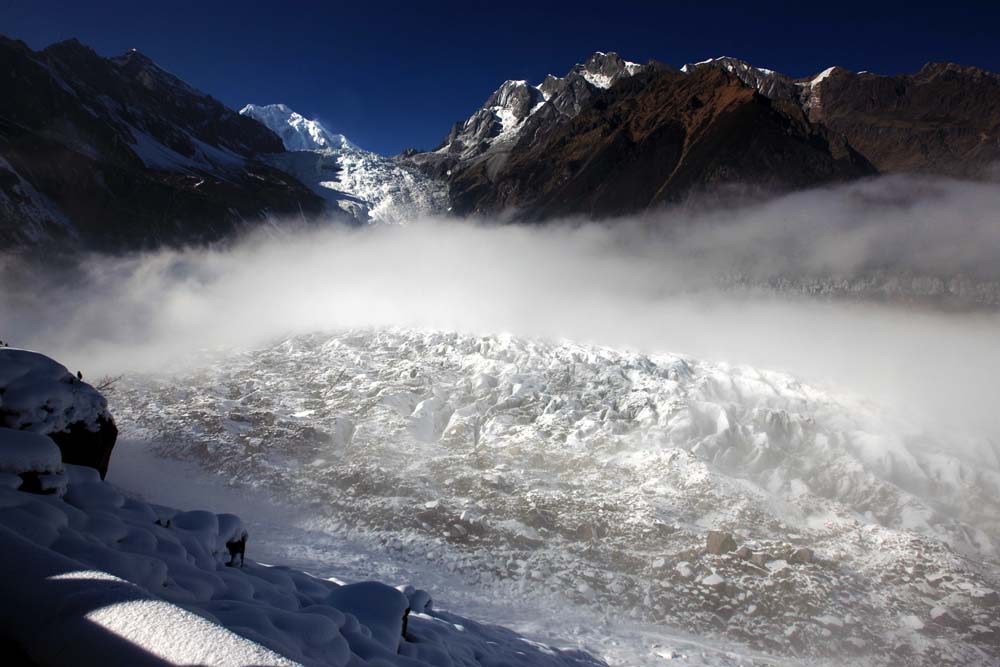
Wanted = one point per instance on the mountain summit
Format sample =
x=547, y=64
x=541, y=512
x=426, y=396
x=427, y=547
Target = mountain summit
x=518, y=109
x=366, y=186
x=296, y=131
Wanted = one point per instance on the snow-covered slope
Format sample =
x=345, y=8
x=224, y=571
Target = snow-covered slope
x=587, y=479
x=94, y=577
x=368, y=186
x=296, y=131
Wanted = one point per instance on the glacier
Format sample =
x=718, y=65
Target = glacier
x=560, y=476
x=365, y=186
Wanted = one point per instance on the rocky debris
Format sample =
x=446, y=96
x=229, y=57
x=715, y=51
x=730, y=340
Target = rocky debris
x=802, y=556
x=590, y=532
x=719, y=542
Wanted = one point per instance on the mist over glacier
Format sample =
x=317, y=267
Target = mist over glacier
x=553, y=416
x=650, y=283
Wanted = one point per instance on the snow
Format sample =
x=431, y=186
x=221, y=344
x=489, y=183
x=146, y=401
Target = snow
x=156, y=155
x=61, y=612
x=112, y=579
x=754, y=76
x=367, y=186
x=35, y=214
x=42, y=396
x=597, y=79
x=296, y=131
x=822, y=75
x=23, y=451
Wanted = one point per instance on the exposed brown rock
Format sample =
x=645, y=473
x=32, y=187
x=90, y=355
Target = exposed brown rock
x=802, y=556
x=658, y=137
x=662, y=135
x=720, y=542
x=945, y=119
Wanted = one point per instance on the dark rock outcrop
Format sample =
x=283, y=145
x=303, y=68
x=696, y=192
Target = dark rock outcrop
x=85, y=447
x=802, y=556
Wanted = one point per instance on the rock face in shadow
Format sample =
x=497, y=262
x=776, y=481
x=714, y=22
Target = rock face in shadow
x=118, y=154
x=944, y=119
x=83, y=447
x=39, y=395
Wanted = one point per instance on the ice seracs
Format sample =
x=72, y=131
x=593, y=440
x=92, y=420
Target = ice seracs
x=567, y=472
x=366, y=186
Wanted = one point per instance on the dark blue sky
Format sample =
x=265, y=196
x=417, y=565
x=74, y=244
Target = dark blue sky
x=391, y=75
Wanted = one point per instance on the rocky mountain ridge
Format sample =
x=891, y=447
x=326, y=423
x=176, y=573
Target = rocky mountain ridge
x=117, y=154
x=653, y=134
x=518, y=110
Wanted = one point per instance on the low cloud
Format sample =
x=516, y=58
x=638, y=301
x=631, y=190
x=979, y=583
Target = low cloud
x=650, y=283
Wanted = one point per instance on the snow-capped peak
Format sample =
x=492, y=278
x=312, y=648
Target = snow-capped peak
x=730, y=64
x=603, y=69
x=768, y=82
x=822, y=75
x=297, y=132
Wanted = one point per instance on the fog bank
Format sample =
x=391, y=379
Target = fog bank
x=648, y=283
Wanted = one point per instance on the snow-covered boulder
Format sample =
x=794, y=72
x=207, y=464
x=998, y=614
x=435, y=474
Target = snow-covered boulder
x=30, y=462
x=380, y=608
x=39, y=395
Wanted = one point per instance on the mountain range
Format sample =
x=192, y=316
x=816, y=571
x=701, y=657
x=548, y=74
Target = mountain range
x=118, y=154
x=648, y=135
